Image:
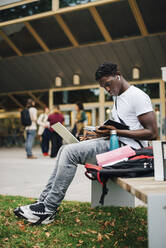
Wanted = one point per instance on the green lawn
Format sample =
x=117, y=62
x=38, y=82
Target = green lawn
x=76, y=225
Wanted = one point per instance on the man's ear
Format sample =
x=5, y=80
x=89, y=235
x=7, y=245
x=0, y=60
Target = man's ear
x=118, y=77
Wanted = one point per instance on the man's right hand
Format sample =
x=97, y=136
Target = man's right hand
x=88, y=135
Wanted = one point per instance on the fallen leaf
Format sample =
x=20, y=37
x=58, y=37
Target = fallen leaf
x=106, y=236
x=56, y=240
x=36, y=232
x=7, y=223
x=112, y=223
x=31, y=199
x=91, y=213
x=21, y=225
x=80, y=242
x=99, y=237
x=111, y=233
x=15, y=236
x=47, y=234
x=115, y=243
x=83, y=232
x=5, y=239
x=141, y=238
x=91, y=231
x=106, y=223
x=72, y=235
x=77, y=220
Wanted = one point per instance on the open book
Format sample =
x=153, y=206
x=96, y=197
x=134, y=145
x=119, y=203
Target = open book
x=116, y=124
x=64, y=133
x=108, y=122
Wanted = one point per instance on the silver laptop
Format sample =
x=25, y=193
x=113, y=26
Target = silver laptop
x=64, y=133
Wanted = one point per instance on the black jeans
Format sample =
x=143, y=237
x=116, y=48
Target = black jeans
x=45, y=141
x=56, y=143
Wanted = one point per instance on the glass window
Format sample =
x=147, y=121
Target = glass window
x=151, y=89
x=67, y=117
x=11, y=132
x=73, y=96
x=89, y=117
x=108, y=113
x=67, y=3
x=23, y=10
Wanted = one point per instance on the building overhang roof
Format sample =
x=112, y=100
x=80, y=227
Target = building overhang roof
x=36, y=49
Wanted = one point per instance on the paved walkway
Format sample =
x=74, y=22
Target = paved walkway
x=27, y=177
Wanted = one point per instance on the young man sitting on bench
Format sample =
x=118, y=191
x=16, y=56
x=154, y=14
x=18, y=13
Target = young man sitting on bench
x=133, y=106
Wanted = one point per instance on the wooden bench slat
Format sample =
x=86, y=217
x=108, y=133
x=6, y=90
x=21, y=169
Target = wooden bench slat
x=142, y=187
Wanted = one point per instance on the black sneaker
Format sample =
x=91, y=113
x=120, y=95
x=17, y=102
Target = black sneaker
x=36, y=213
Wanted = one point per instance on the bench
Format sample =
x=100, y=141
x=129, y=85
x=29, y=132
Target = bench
x=122, y=192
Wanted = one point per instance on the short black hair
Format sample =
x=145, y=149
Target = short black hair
x=56, y=106
x=106, y=69
x=80, y=105
x=29, y=103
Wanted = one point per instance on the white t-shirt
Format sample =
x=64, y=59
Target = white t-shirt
x=130, y=104
x=33, y=115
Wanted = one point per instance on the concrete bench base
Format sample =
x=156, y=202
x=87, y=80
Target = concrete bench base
x=116, y=195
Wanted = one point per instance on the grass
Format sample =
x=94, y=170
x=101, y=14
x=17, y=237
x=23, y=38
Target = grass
x=76, y=225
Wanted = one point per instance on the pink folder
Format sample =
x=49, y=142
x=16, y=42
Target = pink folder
x=115, y=155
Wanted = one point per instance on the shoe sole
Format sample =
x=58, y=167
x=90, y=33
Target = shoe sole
x=46, y=221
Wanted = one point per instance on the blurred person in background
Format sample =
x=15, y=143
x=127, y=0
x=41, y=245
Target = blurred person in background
x=80, y=120
x=56, y=140
x=31, y=130
x=43, y=131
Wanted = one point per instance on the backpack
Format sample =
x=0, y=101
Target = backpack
x=139, y=165
x=25, y=117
